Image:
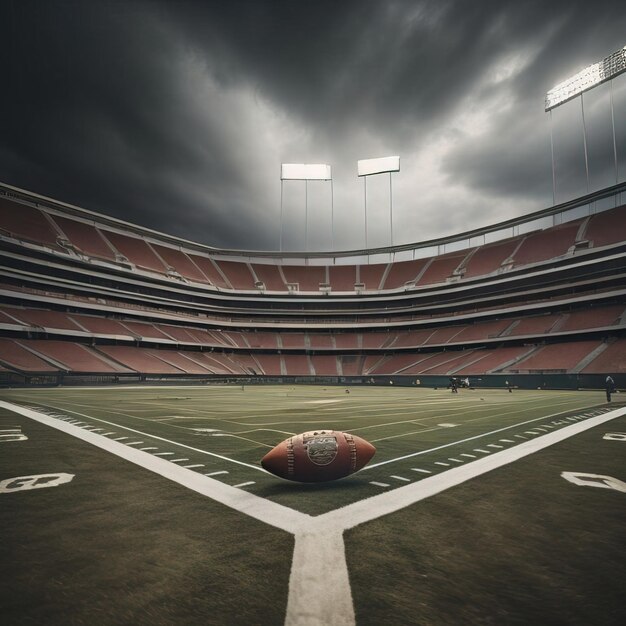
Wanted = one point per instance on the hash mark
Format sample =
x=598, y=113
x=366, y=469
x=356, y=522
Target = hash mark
x=442, y=463
x=197, y=465
x=250, y=482
x=216, y=473
x=481, y=450
x=373, y=482
x=494, y=445
x=120, y=438
x=150, y=448
x=406, y=480
x=417, y=469
x=178, y=460
x=455, y=460
x=163, y=454
x=134, y=443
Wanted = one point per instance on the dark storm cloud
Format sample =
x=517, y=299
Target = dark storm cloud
x=177, y=115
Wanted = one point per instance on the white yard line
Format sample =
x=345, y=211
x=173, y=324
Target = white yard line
x=319, y=587
x=454, y=443
x=259, y=508
x=391, y=501
x=14, y=407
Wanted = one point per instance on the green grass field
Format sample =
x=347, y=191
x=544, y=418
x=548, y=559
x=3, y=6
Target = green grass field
x=121, y=544
x=229, y=429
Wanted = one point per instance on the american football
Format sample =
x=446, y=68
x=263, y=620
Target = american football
x=318, y=456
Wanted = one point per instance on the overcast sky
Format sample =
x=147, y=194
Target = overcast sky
x=177, y=115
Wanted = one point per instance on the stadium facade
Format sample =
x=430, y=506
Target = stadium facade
x=538, y=302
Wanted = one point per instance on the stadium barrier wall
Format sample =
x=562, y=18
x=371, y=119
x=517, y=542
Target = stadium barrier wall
x=487, y=381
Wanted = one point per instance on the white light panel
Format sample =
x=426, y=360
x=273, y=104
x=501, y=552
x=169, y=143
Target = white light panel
x=366, y=167
x=305, y=171
x=591, y=76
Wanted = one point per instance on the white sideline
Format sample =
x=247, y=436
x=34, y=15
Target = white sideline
x=319, y=585
x=259, y=508
x=390, y=501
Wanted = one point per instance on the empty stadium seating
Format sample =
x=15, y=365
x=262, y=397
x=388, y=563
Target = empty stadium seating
x=546, y=244
x=85, y=237
x=15, y=355
x=74, y=357
x=606, y=228
x=611, y=360
x=27, y=223
x=136, y=250
x=489, y=258
x=269, y=276
x=72, y=305
x=179, y=262
x=561, y=357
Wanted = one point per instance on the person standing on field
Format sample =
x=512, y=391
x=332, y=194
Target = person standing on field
x=609, y=387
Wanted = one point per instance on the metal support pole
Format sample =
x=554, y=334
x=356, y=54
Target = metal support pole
x=280, y=241
x=390, y=210
x=614, y=140
x=582, y=112
x=332, y=216
x=552, y=152
x=306, y=215
x=365, y=201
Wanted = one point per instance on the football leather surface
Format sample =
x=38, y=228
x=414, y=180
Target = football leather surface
x=318, y=456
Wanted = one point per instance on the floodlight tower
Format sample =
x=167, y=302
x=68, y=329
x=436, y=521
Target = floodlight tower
x=587, y=129
x=305, y=172
x=370, y=167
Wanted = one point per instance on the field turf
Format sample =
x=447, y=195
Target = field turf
x=120, y=544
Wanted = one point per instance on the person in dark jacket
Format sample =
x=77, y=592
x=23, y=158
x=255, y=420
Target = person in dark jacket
x=609, y=387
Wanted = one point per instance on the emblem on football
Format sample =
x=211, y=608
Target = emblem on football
x=321, y=448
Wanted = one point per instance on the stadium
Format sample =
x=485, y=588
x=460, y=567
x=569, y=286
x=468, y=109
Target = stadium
x=144, y=376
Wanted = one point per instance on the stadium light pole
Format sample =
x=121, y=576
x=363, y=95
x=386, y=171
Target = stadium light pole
x=370, y=167
x=305, y=172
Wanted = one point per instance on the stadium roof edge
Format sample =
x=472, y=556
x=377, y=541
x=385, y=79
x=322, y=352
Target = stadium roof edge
x=51, y=203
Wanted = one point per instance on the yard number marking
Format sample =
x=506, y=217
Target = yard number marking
x=12, y=434
x=36, y=481
x=594, y=480
x=615, y=436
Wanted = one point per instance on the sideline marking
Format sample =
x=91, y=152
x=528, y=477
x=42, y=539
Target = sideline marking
x=382, y=504
x=254, y=506
x=13, y=407
x=454, y=443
